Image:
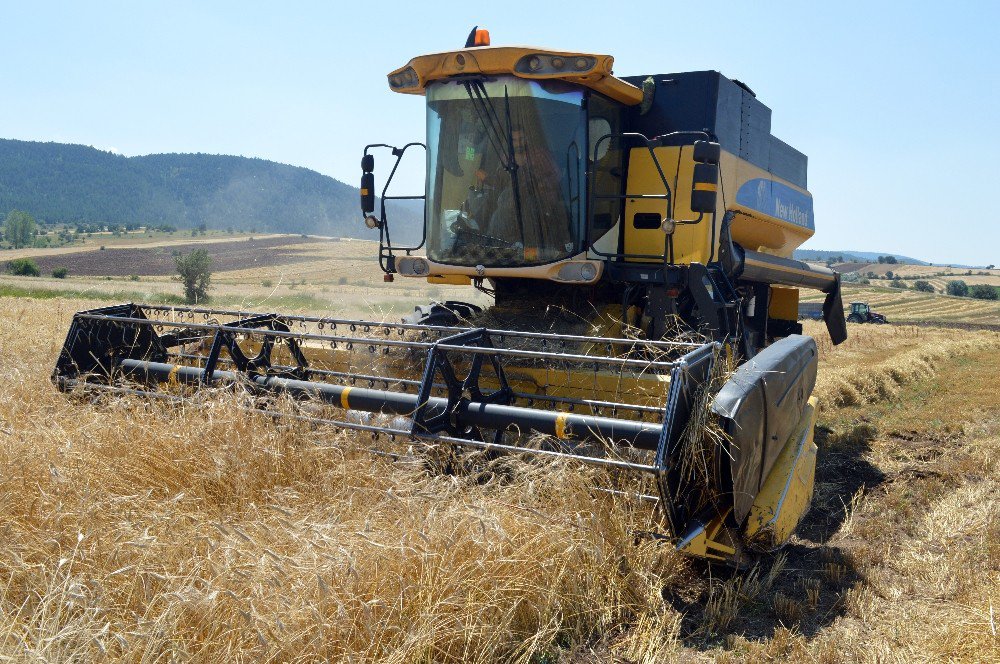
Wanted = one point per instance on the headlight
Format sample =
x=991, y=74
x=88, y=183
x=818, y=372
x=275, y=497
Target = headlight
x=577, y=271
x=544, y=63
x=412, y=266
x=405, y=79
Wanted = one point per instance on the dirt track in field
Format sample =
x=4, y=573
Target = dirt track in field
x=159, y=261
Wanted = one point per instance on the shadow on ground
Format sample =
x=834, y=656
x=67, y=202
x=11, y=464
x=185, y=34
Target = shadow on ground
x=808, y=592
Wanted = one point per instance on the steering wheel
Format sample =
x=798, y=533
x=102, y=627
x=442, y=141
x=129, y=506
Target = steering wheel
x=462, y=226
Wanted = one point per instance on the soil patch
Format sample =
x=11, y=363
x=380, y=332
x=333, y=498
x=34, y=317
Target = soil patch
x=159, y=261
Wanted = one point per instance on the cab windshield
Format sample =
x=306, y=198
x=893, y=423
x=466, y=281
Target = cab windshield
x=507, y=161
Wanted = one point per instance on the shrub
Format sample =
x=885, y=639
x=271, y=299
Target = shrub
x=133, y=277
x=923, y=286
x=897, y=283
x=957, y=287
x=984, y=292
x=267, y=283
x=60, y=273
x=23, y=267
x=102, y=247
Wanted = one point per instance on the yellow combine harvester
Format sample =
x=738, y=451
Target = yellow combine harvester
x=635, y=235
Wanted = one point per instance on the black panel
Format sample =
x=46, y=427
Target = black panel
x=708, y=101
x=755, y=130
x=788, y=163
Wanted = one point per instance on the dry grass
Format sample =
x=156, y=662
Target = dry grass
x=142, y=532
x=146, y=532
x=877, y=361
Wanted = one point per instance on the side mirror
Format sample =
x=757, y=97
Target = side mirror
x=367, y=184
x=704, y=188
x=707, y=152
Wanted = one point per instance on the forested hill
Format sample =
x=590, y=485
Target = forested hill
x=61, y=183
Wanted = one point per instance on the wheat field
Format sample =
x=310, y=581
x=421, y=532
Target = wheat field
x=912, y=306
x=146, y=532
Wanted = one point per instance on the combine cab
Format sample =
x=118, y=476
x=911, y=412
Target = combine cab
x=624, y=288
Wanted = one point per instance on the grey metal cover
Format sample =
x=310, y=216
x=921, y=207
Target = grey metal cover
x=758, y=408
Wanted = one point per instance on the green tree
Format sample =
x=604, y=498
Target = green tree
x=923, y=286
x=19, y=228
x=957, y=287
x=984, y=292
x=195, y=273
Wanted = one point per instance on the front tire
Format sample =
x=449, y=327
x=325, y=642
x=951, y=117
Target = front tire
x=445, y=314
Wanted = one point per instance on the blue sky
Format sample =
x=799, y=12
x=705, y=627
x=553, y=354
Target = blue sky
x=896, y=104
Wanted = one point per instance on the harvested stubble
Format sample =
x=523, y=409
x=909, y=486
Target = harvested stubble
x=877, y=361
x=137, y=531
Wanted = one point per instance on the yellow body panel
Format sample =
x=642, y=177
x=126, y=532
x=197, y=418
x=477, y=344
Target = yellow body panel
x=450, y=279
x=601, y=385
x=784, y=303
x=787, y=491
x=504, y=59
x=692, y=243
x=751, y=228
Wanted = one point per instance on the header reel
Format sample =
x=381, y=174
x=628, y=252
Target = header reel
x=636, y=408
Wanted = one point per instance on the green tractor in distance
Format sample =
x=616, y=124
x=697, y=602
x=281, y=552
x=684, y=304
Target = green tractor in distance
x=862, y=313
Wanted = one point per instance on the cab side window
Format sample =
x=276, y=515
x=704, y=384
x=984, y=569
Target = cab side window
x=605, y=155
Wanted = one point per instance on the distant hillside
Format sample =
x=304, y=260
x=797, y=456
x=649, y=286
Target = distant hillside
x=852, y=256
x=60, y=183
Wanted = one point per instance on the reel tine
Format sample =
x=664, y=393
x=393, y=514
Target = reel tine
x=599, y=401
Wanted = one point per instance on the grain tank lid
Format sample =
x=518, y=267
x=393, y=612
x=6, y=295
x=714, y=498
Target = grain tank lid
x=590, y=70
x=708, y=100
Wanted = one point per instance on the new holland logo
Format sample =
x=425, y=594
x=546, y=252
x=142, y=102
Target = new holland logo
x=777, y=200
